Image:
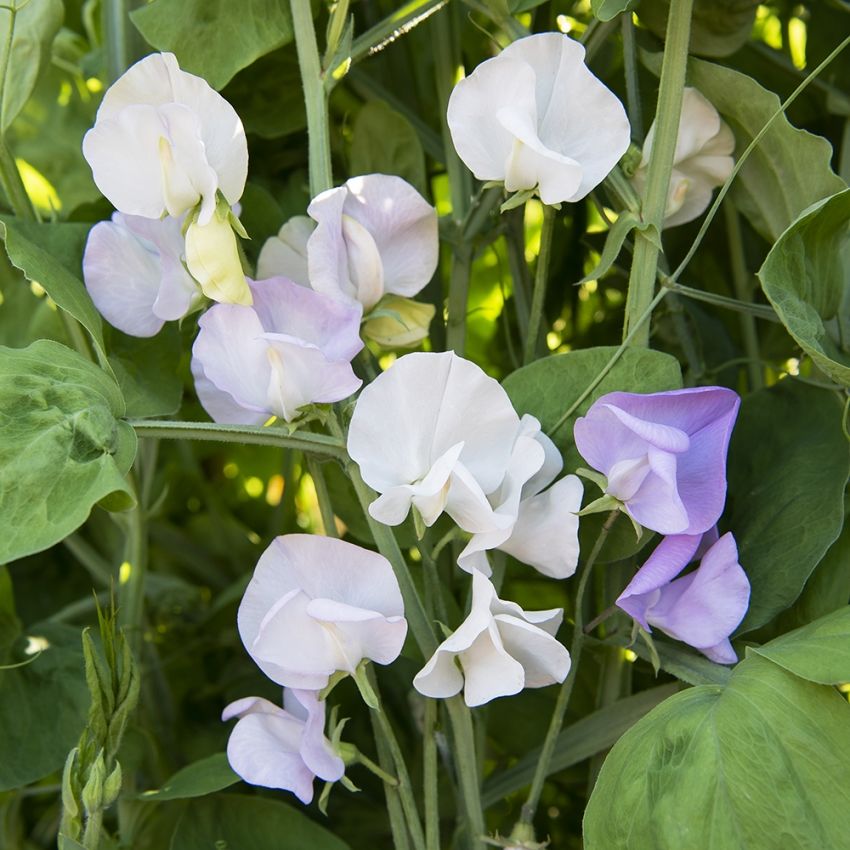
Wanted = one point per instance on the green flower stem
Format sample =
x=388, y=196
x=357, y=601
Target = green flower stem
x=132, y=589
x=542, y=769
x=429, y=776
x=314, y=467
x=631, y=68
x=466, y=765
x=117, y=33
x=458, y=299
x=315, y=97
x=318, y=444
x=398, y=826
x=541, y=278
x=667, y=115
x=405, y=788
x=743, y=292
x=718, y=200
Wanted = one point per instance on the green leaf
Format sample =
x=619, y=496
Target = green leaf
x=238, y=822
x=577, y=742
x=788, y=171
x=718, y=27
x=606, y=10
x=146, y=371
x=215, y=38
x=383, y=141
x=202, y=777
x=35, y=27
x=10, y=625
x=549, y=387
x=50, y=255
x=806, y=278
x=818, y=652
x=62, y=448
x=42, y=708
x=683, y=662
x=761, y=764
x=788, y=466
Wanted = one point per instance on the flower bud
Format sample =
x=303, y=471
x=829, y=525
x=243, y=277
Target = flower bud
x=93, y=789
x=399, y=322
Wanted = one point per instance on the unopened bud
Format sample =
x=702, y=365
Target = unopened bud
x=93, y=789
x=398, y=322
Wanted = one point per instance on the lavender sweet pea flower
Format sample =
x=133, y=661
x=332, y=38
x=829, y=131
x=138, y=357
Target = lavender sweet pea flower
x=434, y=432
x=282, y=747
x=701, y=608
x=498, y=650
x=374, y=236
x=134, y=271
x=317, y=605
x=664, y=454
x=293, y=347
x=535, y=117
x=541, y=528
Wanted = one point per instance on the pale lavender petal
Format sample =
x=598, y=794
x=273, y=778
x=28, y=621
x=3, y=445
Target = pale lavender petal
x=721, y=653
x=220, y=405
x=315, y=748
x=285, y=255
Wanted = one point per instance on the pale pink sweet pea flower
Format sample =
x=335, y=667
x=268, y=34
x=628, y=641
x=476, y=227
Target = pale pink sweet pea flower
x=498, y=650
x=664, y=454
x=535, y=117
x=282, y=747
x=702, y=161
x=134, y=272
x=542, y=526
x=434, y=432
x=293, y=347
x=701, y=608
x=375, y=235
x=316, y=605
x=164, y=140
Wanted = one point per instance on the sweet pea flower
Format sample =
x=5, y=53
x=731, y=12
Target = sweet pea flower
x=316, y=605
x=293, y=347
x=164, y=140
x=702, y=162
x=134, y=272
x=373, y=236
x=542, y=527
x=664, y=454
x=701, y=608
x=435, y=433
x=535, y=117
x=282, y=747
x=498, y=650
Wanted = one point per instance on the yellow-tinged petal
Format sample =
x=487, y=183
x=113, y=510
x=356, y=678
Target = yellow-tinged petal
x=212, y=256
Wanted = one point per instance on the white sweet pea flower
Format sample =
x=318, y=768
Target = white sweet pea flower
x=282, y=747
x=702, y=162
x=535, y=117
x=434, y=432
x=134, y=272
x=498, y=650
x=317, y=605
x=164, y=140
x=374, y=235
x=541, y=528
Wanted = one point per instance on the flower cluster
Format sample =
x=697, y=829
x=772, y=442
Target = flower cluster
x=663, y=457
x=314, y=608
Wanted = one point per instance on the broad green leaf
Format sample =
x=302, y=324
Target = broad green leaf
x=62, y=448
x=50, y=255
x=234, y=821
x=788, y=466
x=146, y=371
x=607, y=10
x=196, y=780
x=383, y=141
x=806, y=278
x=718, y=27
x=215, y=38
x=683, y=662
x=43, y=707
x=24, y=315
x=818, y=652
x=788, y=171
x=35, y=27
x=579, y=741
x=761, y=764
